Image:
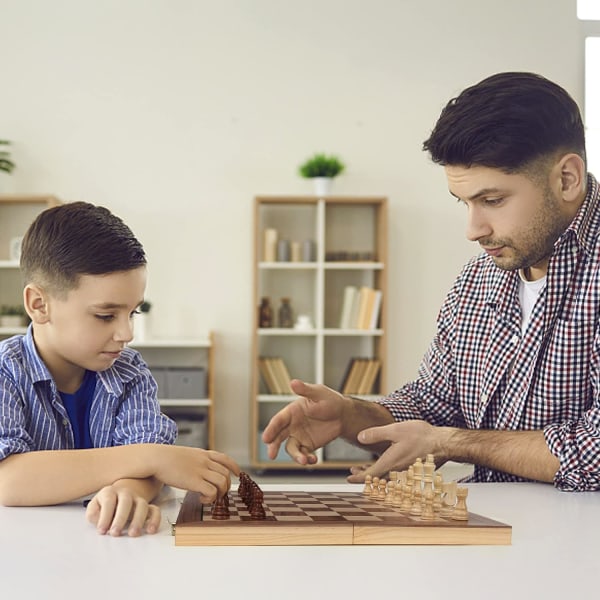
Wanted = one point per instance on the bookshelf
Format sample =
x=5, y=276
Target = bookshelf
x=321, y=253
x=17, y=212
x=184, y=372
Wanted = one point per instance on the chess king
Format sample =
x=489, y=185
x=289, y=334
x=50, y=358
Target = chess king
x=510, y=380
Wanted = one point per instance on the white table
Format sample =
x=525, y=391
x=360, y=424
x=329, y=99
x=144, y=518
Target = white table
x=53, y=553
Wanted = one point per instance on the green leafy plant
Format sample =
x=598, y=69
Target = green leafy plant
x=145, y=306
x=6, y=164
x=321, y=165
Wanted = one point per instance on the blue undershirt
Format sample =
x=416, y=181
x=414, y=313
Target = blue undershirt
x=78, y=408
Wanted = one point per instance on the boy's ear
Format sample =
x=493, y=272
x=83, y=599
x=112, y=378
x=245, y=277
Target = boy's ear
x=36, y=304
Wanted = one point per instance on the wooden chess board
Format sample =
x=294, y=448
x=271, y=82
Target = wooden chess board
x=326, y=518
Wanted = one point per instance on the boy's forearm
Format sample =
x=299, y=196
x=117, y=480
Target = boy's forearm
x=521, y=453
x=56, y=476
x=147, y=488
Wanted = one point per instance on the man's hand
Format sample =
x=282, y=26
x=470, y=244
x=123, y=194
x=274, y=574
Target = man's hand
x=116, y=509
x=407, y=440
x=307, y=423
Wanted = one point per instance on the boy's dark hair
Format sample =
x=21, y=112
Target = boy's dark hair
x=507, y=121
x=74, y=239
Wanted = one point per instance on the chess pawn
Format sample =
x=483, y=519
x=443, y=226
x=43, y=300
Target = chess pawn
x=460, y=512
x=391, y=492
x=407, y=492
x=427, y=513
x=375, y=488
x=368, y=489
x=382, y=490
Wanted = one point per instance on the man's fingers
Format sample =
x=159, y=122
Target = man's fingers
x=374, y=435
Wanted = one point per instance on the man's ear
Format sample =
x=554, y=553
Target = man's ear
x=35, y=300
x=573, y=177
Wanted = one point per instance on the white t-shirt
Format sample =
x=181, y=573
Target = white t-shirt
x=529, y=292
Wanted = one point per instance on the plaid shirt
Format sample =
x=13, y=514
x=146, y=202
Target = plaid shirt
x=481, y=372
x=124, y=409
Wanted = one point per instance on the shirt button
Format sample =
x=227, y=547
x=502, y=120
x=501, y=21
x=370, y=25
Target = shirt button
x=483, y=398
x=515, y=339
x=65, y=422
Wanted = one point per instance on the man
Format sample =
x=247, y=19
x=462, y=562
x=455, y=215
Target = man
x=511, y=379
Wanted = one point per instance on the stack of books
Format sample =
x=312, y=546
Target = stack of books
x=275, y=374
x=360, y=376
x=360, y=308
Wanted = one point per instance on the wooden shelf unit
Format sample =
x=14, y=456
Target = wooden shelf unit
x=185, y=353
x=335, y=224
x=17, y=212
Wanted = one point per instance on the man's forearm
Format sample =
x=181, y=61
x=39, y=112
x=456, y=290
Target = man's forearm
x=361, y=414
x=55, y=476
x=521, y=453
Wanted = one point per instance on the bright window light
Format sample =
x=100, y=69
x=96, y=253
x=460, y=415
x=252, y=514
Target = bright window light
x=588, y=10
x=592, y=103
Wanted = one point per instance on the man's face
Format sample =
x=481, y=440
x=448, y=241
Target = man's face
x=515, y=220
x=90, y=326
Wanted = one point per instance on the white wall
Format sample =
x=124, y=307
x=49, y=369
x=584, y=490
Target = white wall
x=176, y=113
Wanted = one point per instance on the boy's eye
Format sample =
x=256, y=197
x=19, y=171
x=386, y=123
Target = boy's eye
x=105, y=317
x=135, y=312
x=493, y=201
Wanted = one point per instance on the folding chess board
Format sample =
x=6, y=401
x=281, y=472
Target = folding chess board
x=326, y=518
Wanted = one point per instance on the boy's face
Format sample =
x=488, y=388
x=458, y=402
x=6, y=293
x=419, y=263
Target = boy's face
x=90, y=326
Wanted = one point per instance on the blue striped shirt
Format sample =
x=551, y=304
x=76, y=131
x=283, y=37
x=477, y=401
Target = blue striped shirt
x=124, y=409
x=482, y=372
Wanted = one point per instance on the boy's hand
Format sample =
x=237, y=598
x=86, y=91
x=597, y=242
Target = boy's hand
x=117, y=509
x=207, y=472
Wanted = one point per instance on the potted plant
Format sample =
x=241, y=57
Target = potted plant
x=6, y=164
x=321, y=168
x=13, y=316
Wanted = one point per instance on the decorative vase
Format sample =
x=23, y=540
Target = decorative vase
x=322, y=185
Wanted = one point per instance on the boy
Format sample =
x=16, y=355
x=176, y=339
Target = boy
x=78, y=409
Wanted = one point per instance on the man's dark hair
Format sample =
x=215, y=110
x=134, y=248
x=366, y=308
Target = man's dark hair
x=74, y=239
x=507, y=121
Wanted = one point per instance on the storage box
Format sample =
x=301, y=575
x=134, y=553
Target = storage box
x=192, y=431
x=341, y=450
x=160, y=375
x=282, y=455
x=186, y=383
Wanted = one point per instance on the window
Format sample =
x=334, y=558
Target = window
x=589, y=11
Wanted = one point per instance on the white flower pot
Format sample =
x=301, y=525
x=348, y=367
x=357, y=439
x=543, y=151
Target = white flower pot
x=322, y=185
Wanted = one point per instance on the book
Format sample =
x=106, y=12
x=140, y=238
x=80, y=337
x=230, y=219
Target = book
x=363, y=303
x=348, y=300
x=266, y=371
x=353, y=319
x=355, y=374
x=369, y=376
x=282, y=375
x=375, y=310
x=346, y=375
